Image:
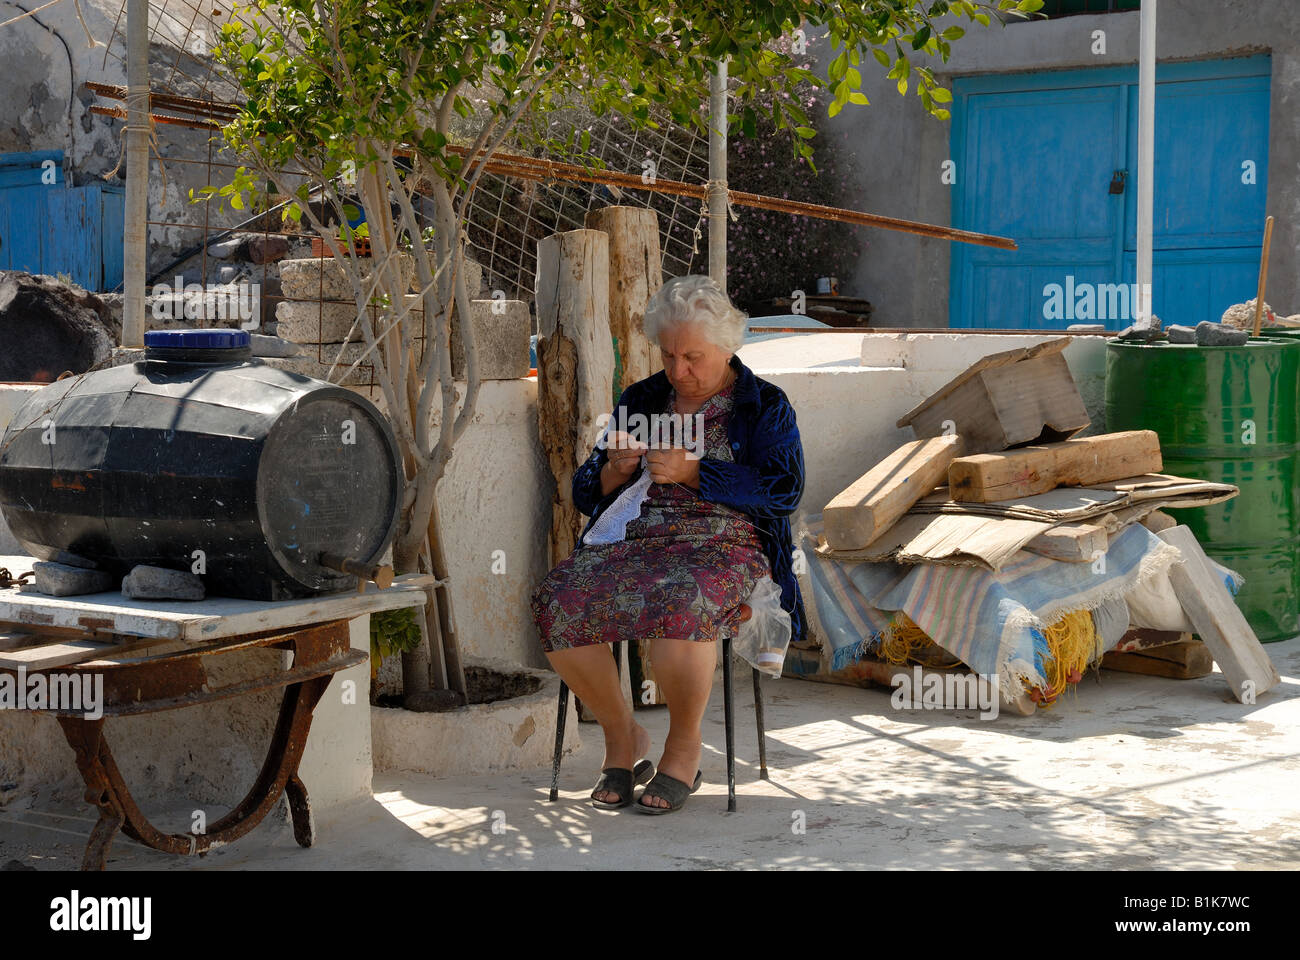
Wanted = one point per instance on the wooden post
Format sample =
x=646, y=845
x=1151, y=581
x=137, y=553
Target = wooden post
x=635, y=274
x=575, y=364
x=575, y=368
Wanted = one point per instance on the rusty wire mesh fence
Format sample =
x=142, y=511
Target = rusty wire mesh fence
x=214, y=252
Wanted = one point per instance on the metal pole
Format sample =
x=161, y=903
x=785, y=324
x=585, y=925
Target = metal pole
x=135, y=230
x=1146, y=158
x=718, y=175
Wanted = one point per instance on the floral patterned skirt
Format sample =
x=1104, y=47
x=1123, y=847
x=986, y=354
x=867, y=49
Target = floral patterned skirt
x=683, y=570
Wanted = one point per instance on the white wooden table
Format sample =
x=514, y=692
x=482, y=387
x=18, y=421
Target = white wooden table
x=195, y=621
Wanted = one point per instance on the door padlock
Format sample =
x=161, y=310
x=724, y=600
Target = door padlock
x=1117, y=181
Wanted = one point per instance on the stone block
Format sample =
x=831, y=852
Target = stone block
x=61, y=580
x=1210, y=334
x=500, y=340
x=323, y=278
x=305, y=321
x=264, y=346
x=161, y=583
x=315, y=362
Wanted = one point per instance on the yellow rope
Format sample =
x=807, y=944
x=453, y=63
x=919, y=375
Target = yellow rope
x=1072, y=645
x=904, y=642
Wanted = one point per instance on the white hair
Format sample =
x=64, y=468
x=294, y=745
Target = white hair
x=695, y=301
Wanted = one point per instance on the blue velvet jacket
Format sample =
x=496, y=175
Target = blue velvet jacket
x=765, y=481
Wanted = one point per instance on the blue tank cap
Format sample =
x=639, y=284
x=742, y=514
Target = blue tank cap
x=214, y=339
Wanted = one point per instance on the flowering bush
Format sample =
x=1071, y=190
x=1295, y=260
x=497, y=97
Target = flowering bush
x=771, y=254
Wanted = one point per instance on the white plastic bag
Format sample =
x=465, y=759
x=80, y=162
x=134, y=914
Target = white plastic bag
x=765, y=636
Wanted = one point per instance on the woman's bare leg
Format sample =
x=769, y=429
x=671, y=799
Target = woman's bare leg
x=592, y=675
x=684, y=671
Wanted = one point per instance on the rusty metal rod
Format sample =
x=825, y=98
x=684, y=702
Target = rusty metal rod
x=533, y=168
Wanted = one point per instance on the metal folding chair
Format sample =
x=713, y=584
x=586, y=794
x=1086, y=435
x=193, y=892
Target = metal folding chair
x=728, y=710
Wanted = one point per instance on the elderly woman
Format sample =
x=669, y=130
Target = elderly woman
x=678, y=537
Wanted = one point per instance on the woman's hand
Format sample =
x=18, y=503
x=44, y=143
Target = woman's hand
x=674, y=465
x=624, y=452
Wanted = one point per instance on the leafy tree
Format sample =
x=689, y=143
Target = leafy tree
x=385, y=92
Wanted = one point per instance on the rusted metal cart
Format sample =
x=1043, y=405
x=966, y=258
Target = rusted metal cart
x=119, y=640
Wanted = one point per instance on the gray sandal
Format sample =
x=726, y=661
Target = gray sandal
x=620, y=780
x=668, y=788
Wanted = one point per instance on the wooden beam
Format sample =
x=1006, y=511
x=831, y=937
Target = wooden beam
x=1158, y=520
x=45, y=653
x=1217, y=619
x=1026, y=471
x=1142, y=639
x=874, y=502
x=1181, y=661
x=1072, y=542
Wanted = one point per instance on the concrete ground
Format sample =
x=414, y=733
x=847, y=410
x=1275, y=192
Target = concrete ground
x=1131, y=772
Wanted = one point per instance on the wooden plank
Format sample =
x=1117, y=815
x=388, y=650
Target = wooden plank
x=1158, y=520
x=875, y=501
x=1180, y=661
x=58, y=653
x=1072, y=542
x=45, y=653
x=1217, y=619
x=1036, y=400
x=1144, y=639
x=199, y=620
x=1181, y=651
x=990, y=477
x=1046, y=348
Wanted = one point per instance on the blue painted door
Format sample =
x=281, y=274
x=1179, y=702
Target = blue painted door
x=1036, y=156
x=48, y=227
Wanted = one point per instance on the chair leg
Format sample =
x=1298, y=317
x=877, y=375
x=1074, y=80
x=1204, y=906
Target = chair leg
x=729, y=717
x=762, y=726
x=559, y=740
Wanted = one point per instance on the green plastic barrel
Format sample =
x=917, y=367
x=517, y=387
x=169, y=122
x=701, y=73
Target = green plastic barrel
x=1227, y=414
x=1286, y=333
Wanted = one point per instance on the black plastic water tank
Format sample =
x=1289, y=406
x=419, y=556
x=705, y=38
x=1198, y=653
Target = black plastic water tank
x=202, y=458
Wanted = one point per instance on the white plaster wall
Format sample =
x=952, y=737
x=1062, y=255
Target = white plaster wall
x=495, y=505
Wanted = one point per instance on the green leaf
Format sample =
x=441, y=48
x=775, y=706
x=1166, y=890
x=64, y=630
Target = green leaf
x=941, y=94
